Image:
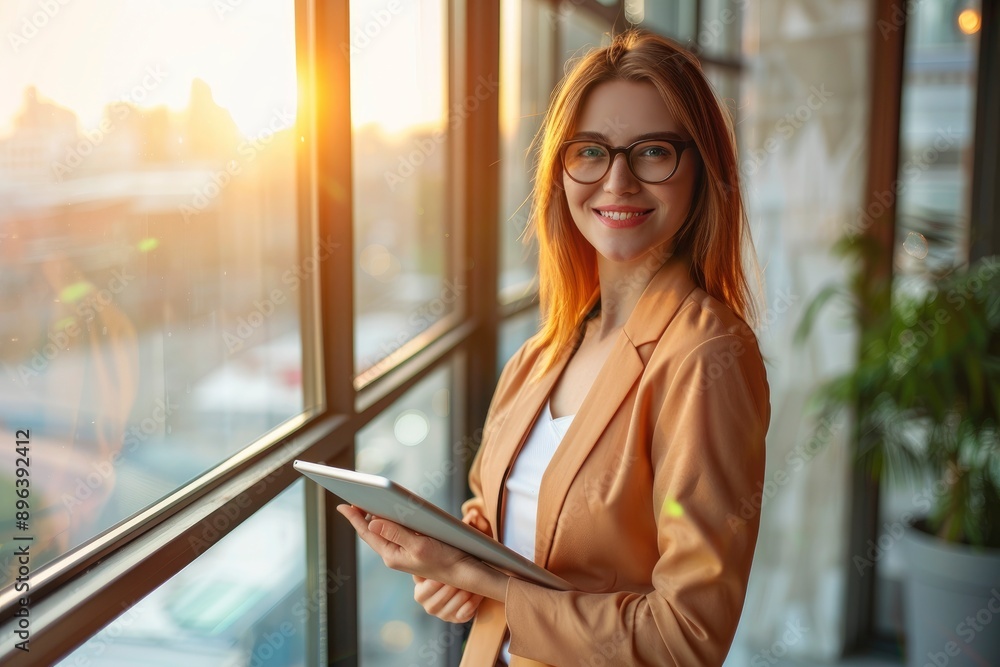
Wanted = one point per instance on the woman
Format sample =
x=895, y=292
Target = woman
x=626, y=438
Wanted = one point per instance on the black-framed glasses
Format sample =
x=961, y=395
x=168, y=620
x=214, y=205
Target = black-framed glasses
x=652, y=161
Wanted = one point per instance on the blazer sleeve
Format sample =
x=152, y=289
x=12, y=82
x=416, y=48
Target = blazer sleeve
x=707, y=458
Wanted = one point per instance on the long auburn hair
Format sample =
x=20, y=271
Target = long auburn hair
x=716, y=228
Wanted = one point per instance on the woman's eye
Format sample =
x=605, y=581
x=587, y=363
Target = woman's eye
x=655, y=151
x=591, y=152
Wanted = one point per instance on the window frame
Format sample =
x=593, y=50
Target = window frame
x=116, y=570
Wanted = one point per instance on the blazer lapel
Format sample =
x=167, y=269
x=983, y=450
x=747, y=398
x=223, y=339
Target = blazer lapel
x=657, y=305
x=624, y=365
x=523, y=412
x=612, y=385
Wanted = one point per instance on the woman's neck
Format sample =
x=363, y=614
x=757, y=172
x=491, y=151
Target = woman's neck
x=621, y=286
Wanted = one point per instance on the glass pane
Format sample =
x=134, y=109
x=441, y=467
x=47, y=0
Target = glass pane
x=401, y=120
x=149, y=267
x=579, y=31
x=242, y=603
x=721, y=27
x=671, y=18
x=727, y=88
x=936, y=140
x=409, y=444
x=513, y=332
x=526, y=36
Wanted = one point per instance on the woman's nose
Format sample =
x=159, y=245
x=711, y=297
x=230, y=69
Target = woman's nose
x=620, y=179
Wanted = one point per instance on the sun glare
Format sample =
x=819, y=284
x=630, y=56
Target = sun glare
x=85, y=57
x=390, y=88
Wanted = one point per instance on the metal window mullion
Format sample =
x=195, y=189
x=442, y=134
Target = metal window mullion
x=885, y=91
x=985, y=205
x=335, y=224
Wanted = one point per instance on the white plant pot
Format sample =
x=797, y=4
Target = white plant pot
x=951, y=603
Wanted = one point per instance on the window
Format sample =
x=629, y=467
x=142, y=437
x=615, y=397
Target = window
x=411, y=444
x=151, y=282
x=937, y=140
x=404, y=280
x=526, y=39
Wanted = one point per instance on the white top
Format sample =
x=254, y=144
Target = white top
x=525, y=478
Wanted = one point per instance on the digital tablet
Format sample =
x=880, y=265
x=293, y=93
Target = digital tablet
x=384, y=498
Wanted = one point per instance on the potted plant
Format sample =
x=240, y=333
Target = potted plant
x=925, y=392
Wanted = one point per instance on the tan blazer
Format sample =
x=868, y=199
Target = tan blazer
x=648, y=505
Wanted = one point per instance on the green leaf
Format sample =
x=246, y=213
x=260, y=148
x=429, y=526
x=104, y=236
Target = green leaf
x=808, y=321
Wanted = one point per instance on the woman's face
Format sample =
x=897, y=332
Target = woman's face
x=648, y=215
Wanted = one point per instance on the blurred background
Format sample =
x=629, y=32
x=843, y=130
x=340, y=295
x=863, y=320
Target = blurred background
x=235, y=233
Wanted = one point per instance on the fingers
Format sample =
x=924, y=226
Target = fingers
x=446, y=602
x=425, y=590
x=475, y=519
x=369, y=533
x=468, y=610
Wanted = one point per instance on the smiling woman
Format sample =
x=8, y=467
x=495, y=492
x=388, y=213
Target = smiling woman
x=622, y=436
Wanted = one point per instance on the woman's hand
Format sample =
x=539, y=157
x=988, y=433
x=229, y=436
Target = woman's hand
x=407, y=551
x=447, y=602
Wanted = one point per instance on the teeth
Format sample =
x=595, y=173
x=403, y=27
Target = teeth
x=617, y=215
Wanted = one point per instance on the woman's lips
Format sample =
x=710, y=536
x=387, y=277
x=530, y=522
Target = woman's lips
x=630, y=219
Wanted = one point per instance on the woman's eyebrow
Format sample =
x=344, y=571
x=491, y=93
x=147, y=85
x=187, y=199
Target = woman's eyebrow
x=649, y=135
